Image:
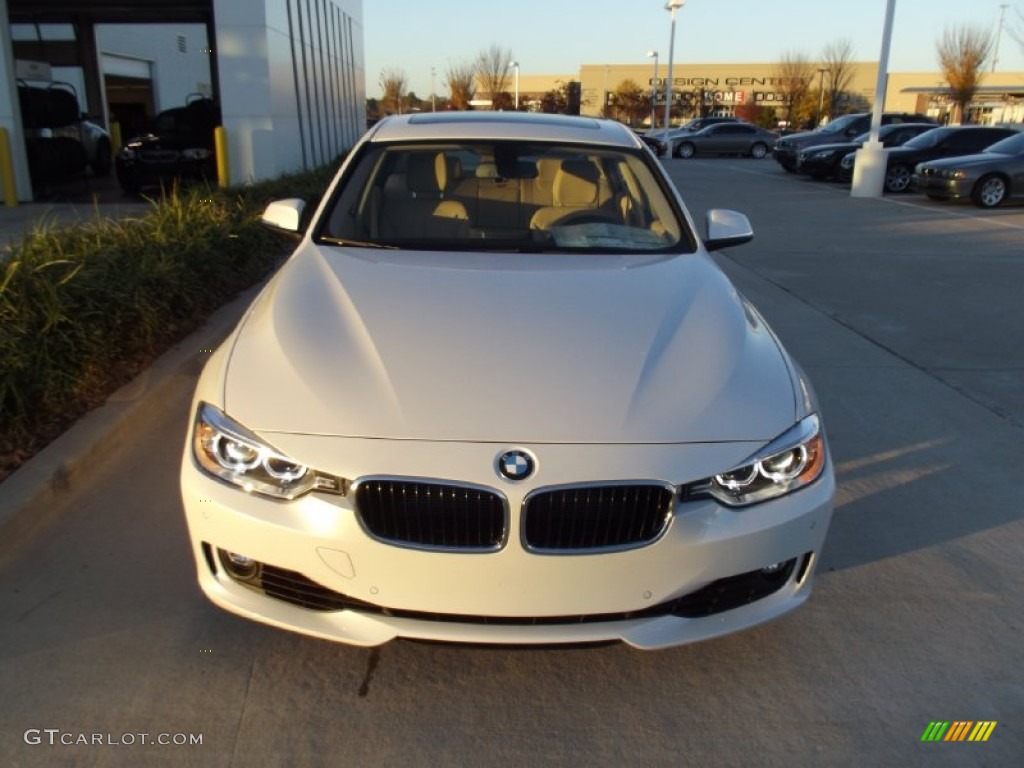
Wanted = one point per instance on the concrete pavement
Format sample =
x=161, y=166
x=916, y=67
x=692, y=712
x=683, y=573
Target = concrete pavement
x=898, y=311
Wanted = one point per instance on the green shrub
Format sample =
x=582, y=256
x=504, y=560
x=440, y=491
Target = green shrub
x=84, y=307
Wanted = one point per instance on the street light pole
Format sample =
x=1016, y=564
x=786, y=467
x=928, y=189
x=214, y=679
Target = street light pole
x=433, y=102
x=516, y=65
x=999, y=34
x=869, y=167
x=672, y=6
x=654, y=86
x=821, y=95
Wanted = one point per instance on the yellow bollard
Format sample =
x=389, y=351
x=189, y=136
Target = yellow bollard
x=220, y=143
x=115, y=137
x=7, y=170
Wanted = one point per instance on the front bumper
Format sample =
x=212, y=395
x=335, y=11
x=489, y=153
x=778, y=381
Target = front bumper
x=808, y=164
x=373, y=591
x=786, y=156
x=942, y=188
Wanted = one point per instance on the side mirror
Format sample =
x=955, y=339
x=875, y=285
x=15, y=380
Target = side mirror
x=726, y=228
x=284, y=215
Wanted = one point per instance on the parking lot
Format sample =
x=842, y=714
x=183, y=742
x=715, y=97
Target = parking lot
x=905, y=313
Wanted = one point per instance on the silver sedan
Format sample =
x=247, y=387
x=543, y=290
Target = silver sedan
x=988, y=178
x=728, y=139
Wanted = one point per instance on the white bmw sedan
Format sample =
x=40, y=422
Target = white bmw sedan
x=500, y=393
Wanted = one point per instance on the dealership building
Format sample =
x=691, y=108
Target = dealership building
x=288, y=75
x=724, y=87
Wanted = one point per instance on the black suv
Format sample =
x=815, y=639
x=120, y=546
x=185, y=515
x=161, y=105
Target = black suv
x=180, y=147
x=841, y=129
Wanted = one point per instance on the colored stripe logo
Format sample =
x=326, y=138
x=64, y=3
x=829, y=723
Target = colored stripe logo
x=958, y=730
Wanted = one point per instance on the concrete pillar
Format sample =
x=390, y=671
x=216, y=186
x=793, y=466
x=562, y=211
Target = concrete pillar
x=10, y=109
x=286, y=73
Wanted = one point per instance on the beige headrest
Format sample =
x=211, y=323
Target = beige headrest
x=576, y=183
x=428, y=173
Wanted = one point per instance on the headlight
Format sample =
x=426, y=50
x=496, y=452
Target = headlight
x=226, y=450
x=789, y=462
x=195, y=153
x=127, y=153
x=953, y=174
x=825, y=155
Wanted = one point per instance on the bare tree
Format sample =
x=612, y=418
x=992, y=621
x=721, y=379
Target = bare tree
x=962, y=53
x=837, y=60
x=492, y=65
x=794, y=73
x=392, y=82
x=461, y=79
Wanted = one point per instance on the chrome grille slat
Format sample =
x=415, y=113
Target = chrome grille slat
x=596, y=517
x=431, y=515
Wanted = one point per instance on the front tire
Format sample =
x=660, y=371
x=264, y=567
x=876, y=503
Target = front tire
x=897, y=178
x=990, y=191
x=758, y=151
x=687, y=150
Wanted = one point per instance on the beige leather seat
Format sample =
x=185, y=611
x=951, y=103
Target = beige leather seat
x=421, y=210
x=575, y=197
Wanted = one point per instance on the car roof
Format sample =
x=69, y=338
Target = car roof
x=531, y=126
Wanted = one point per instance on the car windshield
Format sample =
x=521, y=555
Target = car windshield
x=883, y=132
x=1012, y=145
x=840, y=124
x=504, y=196
x=927, y=139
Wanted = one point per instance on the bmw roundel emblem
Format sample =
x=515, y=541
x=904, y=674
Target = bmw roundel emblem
x=515, y=465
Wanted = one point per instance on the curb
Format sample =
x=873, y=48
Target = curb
x=34, y=493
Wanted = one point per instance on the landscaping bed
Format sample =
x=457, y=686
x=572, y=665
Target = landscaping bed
x=86, y=307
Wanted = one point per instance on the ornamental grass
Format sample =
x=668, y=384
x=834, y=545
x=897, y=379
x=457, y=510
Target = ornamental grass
x=85, y=307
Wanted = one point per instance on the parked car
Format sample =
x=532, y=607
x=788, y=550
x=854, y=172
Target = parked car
x=60, y=140
x=468, y=408
x=654, y=141
x=728, y=139
x=824, y=161
x=673, y=136
x=945, y=141
x=179, y=147
x=989, y=178
x=841, y=129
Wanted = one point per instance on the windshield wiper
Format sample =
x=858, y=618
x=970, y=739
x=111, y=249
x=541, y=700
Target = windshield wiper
x=354, y=243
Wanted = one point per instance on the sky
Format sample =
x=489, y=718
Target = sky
x=556, y=37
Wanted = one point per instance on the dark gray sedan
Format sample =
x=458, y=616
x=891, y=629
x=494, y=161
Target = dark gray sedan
x=987, y=178
x=728, y=139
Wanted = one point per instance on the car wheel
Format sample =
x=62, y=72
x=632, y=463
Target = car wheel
x=758, y=151
x=897, y=178
x=990, y=191
x=686, y=149
x=102, y=160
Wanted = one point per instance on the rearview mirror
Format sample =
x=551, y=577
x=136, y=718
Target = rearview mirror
x=726, y=228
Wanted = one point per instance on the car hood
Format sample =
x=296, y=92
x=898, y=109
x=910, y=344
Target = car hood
x=507, y=347
x=969, y=161
x=847, y=146
x=806, y=139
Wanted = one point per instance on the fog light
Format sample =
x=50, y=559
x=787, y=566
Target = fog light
x=770, y=570
x=239, y=566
